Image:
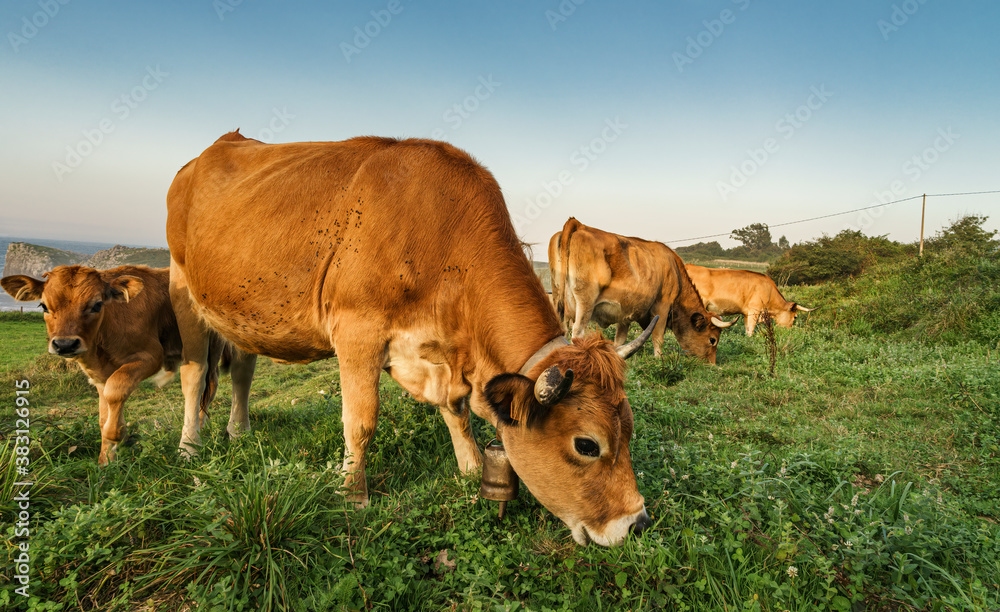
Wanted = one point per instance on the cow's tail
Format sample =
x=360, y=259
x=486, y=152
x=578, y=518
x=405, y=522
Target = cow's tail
x=560, y=279
x=220, y=356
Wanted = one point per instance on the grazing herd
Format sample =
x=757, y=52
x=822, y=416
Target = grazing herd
x=397, y=256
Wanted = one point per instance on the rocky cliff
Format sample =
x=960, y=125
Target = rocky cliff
x=34, y=260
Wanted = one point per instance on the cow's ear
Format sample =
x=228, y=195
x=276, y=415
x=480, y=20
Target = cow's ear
x=124, y=288
x=512, y=399
x=699, y=322
x=23, y=288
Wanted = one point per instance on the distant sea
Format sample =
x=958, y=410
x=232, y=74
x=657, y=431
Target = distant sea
x=87, y=248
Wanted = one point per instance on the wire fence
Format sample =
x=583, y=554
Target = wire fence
x=846, y=212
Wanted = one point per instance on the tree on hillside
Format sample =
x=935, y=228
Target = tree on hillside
x=966, y=234
x=755, y=237
x=783, y=243
x=705, y=250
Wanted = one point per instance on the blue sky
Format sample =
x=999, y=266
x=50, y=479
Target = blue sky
x=665, y=120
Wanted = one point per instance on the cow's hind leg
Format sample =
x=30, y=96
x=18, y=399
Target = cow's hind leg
x=196, y=339
x=585, y=299
x=241, y=371
x=360, y=368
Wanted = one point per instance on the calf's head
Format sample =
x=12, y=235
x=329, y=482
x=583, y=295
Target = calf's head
x=73, y=300
x=567, y=435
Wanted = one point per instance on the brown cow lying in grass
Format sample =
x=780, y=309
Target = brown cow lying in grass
x=118, y=326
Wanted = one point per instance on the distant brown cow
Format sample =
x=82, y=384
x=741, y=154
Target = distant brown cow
x=743, y=292
x=117, y=325
x=606, y=278
x=399, y=256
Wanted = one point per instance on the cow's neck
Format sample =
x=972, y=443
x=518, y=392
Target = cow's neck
x=511, y=326
x=688, y=300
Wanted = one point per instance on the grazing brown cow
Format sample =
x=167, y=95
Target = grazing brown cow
x=606, y=278
x=728, y=292
x=399, y=256
x=118, y=326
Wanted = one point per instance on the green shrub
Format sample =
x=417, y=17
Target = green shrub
x=846, y=255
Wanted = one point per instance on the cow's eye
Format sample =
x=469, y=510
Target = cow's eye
x=587, y=447
x=44, y=308
x=96, y=308
x=712, y=341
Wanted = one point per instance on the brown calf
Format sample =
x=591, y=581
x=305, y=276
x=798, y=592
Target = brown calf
x=117, y=325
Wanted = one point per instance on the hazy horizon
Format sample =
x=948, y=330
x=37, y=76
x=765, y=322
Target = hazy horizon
x=664, y=120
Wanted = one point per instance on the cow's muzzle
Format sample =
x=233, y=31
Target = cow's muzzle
x=640, y=524
x=67, y=346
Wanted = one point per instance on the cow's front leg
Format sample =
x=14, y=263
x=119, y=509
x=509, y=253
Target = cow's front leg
x=113, y=394
x=658, y=332
x=621, y=333
x=112, y=434
x=467, y=452
x=360, y=368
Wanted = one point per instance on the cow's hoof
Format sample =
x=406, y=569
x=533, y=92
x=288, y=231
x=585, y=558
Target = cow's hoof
x=359, y=501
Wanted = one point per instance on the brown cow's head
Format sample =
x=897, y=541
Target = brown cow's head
x=72, y=298
x=786, y=316
x=698, y=333
x=567, y=436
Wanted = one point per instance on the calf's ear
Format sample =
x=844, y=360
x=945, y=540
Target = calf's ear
x=124, y=288
x=23, y=288
x=512, y=399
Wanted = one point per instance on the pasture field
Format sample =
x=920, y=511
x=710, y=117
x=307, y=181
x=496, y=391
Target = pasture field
x=862, y=476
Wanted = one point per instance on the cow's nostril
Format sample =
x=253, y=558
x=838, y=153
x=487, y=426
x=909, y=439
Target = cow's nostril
x=640, y=524
x=66, y=346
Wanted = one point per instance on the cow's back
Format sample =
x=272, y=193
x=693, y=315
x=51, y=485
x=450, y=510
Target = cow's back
x=631, y=272
x=275, y=240
x=732, y=291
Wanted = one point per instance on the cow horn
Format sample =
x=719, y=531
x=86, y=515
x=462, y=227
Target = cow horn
x=552, y=385
x=804, y=309
x=716, y=321
x=627, y=350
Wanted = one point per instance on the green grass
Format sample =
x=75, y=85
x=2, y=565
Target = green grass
x=862, y=476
